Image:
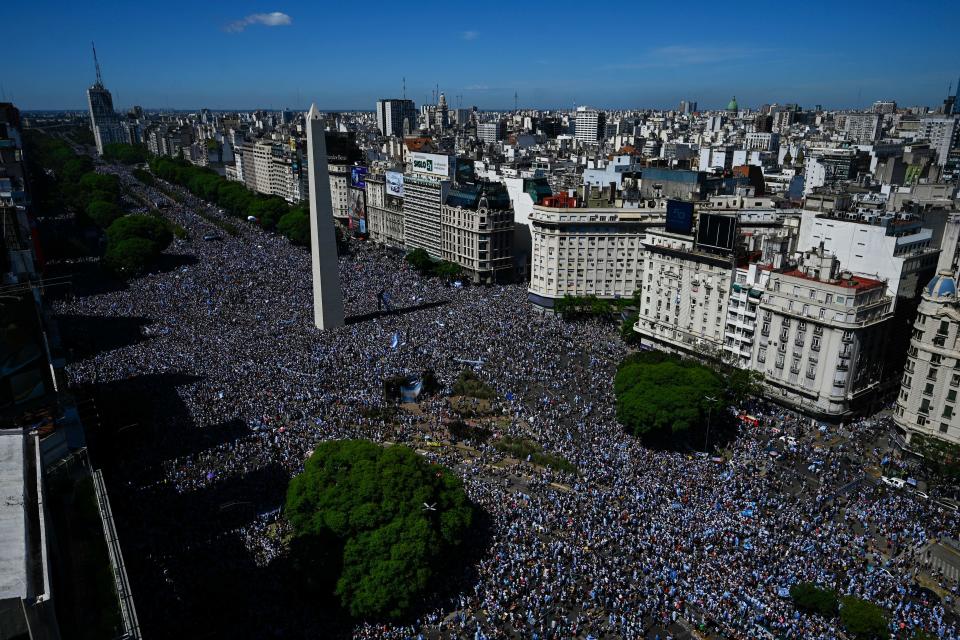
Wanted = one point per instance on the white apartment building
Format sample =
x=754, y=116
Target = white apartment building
x=823, y=336
x=684, y=295
x=585, y=251
x=759, y=141
x=423, y=198
x=590, y=125
x=899, y=252
x=863, y=128
x=943, y=133
x=384, y=213
x=927, y=405
x=750, y=281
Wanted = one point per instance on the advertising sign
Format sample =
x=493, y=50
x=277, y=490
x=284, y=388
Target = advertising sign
x=358, y=212
x=679, y=216
x=394, y=181
x=358, y=177
x=430, y=163
x=717, y=232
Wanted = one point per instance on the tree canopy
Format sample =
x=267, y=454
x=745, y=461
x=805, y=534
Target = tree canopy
x=811, y=598
x=382, y=519
x=864, y=620
x=295, y=224
x=660, y=394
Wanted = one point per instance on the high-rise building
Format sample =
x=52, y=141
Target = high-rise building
x=443, y=113
x=490, y=132
x=396, y=117
x=103, y=119
x=863, y=128
x=590, y=125
x=943, y=133
x=425, y=189
x=884, y=106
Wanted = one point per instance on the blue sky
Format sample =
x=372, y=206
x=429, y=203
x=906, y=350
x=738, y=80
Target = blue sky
x=346, y=54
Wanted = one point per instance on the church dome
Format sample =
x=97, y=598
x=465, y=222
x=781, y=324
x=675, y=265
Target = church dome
x=732, y=105
x=943, y=285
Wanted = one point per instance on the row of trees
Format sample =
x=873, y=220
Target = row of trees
x=862, y=619
x=377, y=526
x=134, y=243
x=271, y=212
x=126, y=153
x=577, y=307
x=426, y=266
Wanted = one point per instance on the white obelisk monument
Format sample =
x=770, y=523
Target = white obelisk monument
x=327, y=297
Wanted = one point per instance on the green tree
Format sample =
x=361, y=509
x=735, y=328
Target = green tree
x=268, y=211
x=129, y=257
x=446, y=269
x=295, y=225
x=661, y=395
x=125, y=153
x=103, y=213
x=383, y=518
x=809, y=597
x=149, y=228
x=420, y=260
x=863, y=619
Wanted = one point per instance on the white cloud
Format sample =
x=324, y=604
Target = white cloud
x=274, y=19
x=470, y=35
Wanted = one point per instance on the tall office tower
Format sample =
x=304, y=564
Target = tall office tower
x=396, y=117
x=327, y=296
x=443, y=113
x=591, y=124
x=103, y=119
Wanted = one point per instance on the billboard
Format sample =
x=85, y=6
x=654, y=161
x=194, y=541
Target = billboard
x=716, y=232
x=358, y=177
x=430, y=163
x=358, y=212
x=679, y=216
x=394, y=181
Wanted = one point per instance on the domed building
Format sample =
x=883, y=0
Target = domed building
x=732, y=106
x=927, y=405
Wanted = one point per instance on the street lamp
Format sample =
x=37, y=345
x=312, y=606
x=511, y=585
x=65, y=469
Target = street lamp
x=706, y=439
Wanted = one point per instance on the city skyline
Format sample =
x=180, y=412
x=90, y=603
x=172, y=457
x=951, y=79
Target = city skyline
x=258, y=56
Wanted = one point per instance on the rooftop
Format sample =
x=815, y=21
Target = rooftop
x=858, y=283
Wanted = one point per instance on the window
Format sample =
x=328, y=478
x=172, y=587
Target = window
x=944, y=327
x=780, y=362
x=948, y=411
x=762, y=354
x=952, y=395
x=943, y=427
x=928, y=390
x=925, y=406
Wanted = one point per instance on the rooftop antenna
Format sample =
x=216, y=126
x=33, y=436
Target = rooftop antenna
x=404, y=87
x=96, y=62
x=516, y=99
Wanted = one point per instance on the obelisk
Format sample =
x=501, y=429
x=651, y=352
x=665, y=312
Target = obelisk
x=327, y=297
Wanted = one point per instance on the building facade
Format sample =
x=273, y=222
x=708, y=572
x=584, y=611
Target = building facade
x=584, y=251
x=927, y=404
x=823, y=336
x=590, y=125
x=477, y=231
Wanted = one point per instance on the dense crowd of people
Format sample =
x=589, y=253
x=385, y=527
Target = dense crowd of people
x=638, y=543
